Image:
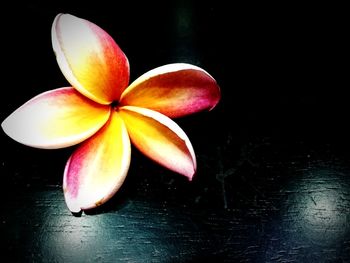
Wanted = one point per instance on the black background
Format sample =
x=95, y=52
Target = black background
x=273, y=181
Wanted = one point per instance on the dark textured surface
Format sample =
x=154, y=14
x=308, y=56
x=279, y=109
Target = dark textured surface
x=265, y=208
x=273, y=182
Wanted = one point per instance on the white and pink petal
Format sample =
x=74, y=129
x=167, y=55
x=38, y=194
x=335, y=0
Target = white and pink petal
x=174, y=90
x=97, y=169
x=161, y=139
x=89, y=58
x=56, y=119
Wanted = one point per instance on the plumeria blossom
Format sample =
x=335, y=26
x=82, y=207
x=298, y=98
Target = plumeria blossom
x=103, y=113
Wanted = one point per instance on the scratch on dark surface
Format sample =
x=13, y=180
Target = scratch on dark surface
x=313, y=200
x=227, y=169
x=221, y=176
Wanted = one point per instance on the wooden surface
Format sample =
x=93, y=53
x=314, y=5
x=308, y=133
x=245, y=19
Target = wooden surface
x=273, y=181
x=268, y=207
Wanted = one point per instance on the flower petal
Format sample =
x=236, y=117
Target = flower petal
x=89, y=58
x=55, y=119
x=97, y=169
x=174, y=90
x=160, y=138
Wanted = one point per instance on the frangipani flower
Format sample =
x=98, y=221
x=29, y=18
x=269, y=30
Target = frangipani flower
x=103, y=113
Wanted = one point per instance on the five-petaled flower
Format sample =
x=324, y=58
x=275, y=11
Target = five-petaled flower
x=103, y=113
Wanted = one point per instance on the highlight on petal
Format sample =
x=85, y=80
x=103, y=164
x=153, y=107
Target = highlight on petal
x=89, y=58
x=55, y=119
x=174, y=90
x=160, y=138
x=97, y=169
